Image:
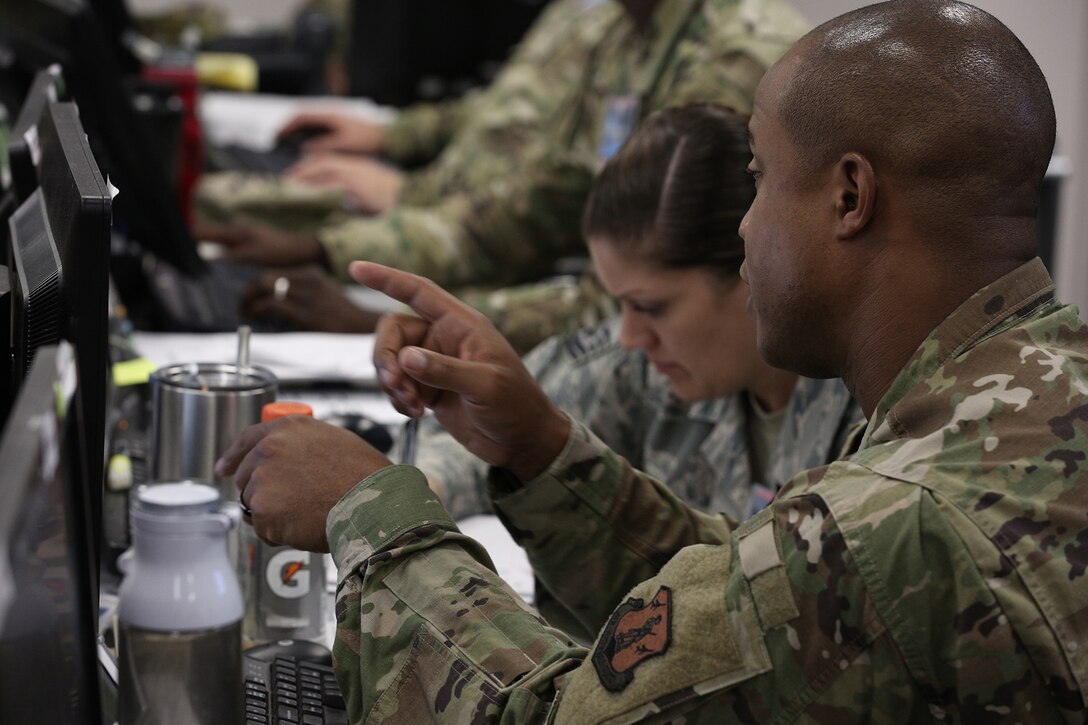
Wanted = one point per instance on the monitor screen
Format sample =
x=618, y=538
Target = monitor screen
x=42, y=32
x=59, y=246
x=47, y=601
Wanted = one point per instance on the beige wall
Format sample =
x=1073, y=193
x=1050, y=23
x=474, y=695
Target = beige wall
x=1056, y=33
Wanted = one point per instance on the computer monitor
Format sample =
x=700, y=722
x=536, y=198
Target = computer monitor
x=48, y=600
x=47, y=86
x=42, y=32
x=59, y=241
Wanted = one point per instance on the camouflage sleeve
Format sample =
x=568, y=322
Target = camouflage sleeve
x=530, y=313
x=235, y=197
x=631, y=523
x=772, y=622
x=421, y=131
x=509, y=231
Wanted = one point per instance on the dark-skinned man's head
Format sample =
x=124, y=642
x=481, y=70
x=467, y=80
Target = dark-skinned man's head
x=898, y=152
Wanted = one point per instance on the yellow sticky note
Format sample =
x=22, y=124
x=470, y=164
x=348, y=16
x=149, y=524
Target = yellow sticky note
x=133, y=372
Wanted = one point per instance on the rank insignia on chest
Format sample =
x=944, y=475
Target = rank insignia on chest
x=636, y=631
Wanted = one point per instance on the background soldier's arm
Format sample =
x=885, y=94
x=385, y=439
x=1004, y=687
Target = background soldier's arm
x=512, y=230
x=421, y=131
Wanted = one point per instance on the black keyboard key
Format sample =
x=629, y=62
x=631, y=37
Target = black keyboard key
x=332, y=698
x=299, y=691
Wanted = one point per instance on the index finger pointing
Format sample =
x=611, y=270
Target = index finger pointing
x=421, y=294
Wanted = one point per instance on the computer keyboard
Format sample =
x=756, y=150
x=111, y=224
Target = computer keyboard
x=283, y=688
x=275, y=160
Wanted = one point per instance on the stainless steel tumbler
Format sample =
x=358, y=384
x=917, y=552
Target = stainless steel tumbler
x=198, y=409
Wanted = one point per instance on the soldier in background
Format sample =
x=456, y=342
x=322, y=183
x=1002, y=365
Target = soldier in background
x=676, y=387
x=937, y=574
x=499, y=208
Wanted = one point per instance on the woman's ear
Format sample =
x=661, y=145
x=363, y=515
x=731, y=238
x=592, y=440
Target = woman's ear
x=855, y=194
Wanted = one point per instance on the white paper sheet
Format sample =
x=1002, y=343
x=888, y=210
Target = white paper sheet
x=253, y=119
x=294, y=357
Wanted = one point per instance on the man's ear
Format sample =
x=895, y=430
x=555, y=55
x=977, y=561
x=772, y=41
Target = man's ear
x=855, y=194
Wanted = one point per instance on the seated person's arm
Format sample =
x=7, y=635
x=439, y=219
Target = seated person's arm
x=335, y=131
x=421, y=131
x=427, y=630
x=372, y=186
x=508, y=231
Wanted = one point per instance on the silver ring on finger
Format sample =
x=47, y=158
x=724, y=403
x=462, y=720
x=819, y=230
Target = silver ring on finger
x=280, y=288
x=246, y=510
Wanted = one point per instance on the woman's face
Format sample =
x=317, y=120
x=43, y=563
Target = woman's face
x=692, y=324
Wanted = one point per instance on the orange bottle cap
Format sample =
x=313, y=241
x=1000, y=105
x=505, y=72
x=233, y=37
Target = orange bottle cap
x=271, y=411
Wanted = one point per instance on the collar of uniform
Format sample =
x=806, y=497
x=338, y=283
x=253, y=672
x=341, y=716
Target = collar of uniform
x=709, y=411
x=991, y=309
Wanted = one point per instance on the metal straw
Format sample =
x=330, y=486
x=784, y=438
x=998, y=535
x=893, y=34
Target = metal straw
x=243, y=347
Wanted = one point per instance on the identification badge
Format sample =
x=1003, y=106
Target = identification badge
x=621, y=118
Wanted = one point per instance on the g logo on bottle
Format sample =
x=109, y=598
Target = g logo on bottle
x=288, y=574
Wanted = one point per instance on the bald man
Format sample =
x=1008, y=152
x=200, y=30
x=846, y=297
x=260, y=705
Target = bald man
x=938, y=574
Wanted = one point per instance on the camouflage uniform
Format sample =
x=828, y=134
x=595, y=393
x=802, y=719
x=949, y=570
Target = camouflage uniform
x=527, y=314
x=504, y=199
x=488, y=127
x=477, y=216
x=937, y=574
x=700, y=451
x=514, y=108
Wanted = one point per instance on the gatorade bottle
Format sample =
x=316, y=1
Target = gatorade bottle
x=284, y=587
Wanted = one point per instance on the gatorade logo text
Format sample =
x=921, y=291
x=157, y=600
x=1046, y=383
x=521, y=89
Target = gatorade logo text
x=288, y=574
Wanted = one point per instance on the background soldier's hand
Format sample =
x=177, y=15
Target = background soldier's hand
x=342, y=133
x=291, y=472
x=264, y=245
x=374, y=187
x=451, y=359
x=312, y=300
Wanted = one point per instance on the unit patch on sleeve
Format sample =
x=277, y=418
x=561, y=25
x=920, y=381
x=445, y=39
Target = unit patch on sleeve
x=635, y=632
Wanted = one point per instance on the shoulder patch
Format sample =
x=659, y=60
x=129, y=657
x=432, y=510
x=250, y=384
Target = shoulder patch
x=635, y=632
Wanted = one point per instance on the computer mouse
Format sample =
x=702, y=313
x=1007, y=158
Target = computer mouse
x=373, y=433
x=301, y=649
x=294, y=140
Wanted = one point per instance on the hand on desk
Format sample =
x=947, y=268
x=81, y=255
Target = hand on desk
x=374, y=187
x=309, y=299
x=342, y=133
x=291, y=472
x=453, y=360
x=264, y=245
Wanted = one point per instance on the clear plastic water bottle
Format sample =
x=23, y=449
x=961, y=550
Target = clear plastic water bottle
x=284, y=587
x=180, y=611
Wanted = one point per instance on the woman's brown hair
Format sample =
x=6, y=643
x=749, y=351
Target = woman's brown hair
x=677, y=190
